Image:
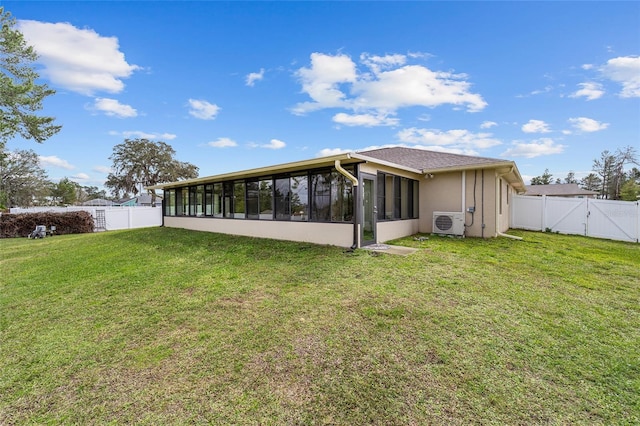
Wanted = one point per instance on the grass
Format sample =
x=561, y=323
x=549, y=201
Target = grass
x=167, y=326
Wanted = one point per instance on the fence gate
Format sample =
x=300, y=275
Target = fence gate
x=617, y=220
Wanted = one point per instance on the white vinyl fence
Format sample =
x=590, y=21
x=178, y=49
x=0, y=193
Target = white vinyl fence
x=109, y=218
x=614, y=220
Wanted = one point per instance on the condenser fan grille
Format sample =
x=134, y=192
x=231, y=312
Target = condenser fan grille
x=444, y=223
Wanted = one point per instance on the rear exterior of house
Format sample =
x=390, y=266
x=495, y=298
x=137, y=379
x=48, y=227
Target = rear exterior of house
x=351, y=200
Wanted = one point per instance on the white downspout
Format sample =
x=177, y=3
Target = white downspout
x=498, y=201
x=345, y=173
x=356, y=210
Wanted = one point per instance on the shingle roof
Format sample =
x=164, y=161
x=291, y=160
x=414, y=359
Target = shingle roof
x=426, y=160
x=558, y=190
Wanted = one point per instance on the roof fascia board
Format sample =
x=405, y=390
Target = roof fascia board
x=386, y=163
x=260, y=171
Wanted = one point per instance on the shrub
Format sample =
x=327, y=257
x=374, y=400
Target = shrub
x=21, y=225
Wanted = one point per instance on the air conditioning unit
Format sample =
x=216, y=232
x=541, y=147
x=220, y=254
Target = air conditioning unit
x=448, y=223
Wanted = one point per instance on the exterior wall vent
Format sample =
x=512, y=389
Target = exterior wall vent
x=448, y=223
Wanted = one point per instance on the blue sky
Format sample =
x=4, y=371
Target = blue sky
x=233, y=86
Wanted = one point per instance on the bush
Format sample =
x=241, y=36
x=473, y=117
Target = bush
x=21, y=225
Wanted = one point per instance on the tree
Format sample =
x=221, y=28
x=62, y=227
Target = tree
x=65, y=192
x=571, y=177
x=630, y=190
x=611, y=168
x=20, y=96
x=86, y=193
x=545, y=179
x=591, y=182
x=22, y=181
x=139, y=163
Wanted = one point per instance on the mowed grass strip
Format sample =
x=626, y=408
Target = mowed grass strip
x=168, y=326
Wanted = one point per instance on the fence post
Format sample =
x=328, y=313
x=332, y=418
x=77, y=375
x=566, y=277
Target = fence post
x=543, y=225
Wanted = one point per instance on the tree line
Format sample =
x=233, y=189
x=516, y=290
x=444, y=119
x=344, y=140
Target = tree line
x=608, y=176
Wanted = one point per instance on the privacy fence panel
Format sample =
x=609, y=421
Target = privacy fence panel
x=566, y=215
x=615, y=220
x=110, y=218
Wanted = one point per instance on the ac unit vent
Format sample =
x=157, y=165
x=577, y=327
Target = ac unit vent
x=448, y=223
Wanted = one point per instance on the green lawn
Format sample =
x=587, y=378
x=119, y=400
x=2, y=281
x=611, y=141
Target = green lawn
x=167, y=326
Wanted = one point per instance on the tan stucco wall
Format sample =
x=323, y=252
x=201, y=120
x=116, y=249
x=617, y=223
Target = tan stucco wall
x=443, y=193
x=337, y=234
x=397, y=229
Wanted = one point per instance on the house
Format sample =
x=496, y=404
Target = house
x=142, y=200
x=98, y=202
x=352, y=199
x=571, y=190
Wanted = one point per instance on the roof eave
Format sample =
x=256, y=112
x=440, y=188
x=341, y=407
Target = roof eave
x=260, y=171
x=385, y=163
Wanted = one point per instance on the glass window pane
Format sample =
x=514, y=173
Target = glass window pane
x=266, y=199
x=299, y=198
x=341, y=198
x=321, y=197
x=208, y=200
x=184, y=205
x=404, y=198
x=282, y=196
x=239, y=199
x=228, y=199
x=217, y=199
x=380, y=187
x=199, y=201
x=170, y=202
x=253, y=205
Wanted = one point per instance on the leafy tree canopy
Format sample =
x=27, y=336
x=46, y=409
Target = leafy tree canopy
x=22, y=181
x=545, y=179
x=20, y=96
x=139, y=163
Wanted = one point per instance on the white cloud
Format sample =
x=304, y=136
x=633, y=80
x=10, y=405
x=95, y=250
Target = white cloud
x=321, y=81
x=589, y=90
x=80, y=60
x=102, y=169
x=587, y=66
x=626, y=71
x=273, y=144
x=137, y=134
x=366, y=120
x=222, y=143
x=461, y=140
x=54, y=161
x=536, y=126
x=415, y=85
x=379, y=63
x=254, y=76
x=327, y=152
x=81, y=176
x=113, y=108
x=333, y=81
x=203, y=110
x=584, y=124
x=536, y=148
x=488, y=124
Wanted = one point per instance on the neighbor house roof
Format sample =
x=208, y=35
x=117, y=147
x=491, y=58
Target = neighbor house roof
x=559, y=190
x=98, y=202
x=411, y=159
